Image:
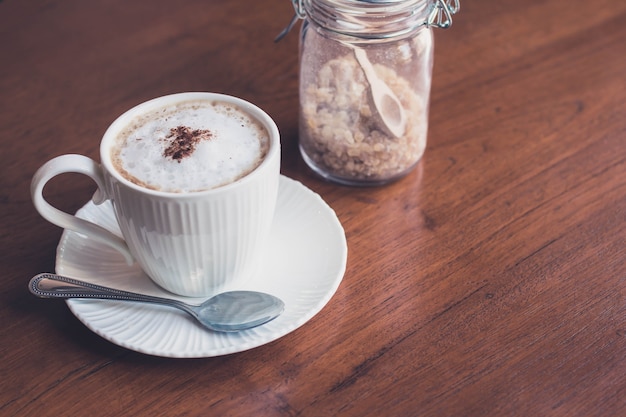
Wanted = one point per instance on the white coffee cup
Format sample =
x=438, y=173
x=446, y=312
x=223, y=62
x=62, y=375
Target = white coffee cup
x=190, y=243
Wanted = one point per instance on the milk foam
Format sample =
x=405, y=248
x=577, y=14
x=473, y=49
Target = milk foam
x=232, y=145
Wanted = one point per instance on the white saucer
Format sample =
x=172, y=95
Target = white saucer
x=305, y=262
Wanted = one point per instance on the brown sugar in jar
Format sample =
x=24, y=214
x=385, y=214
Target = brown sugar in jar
x=343, y=138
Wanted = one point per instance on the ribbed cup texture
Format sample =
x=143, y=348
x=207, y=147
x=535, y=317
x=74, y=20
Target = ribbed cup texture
x=196, y=244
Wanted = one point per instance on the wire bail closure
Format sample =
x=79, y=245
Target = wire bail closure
x=440, y=15
x=298, y=6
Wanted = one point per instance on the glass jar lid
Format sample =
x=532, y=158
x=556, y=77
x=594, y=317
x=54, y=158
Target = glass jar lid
x=376, y=19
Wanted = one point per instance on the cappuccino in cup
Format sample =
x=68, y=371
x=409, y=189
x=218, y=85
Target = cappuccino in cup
x=190, y=146
x=193, y=180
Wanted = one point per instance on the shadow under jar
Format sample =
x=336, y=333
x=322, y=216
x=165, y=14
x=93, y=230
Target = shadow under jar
x=351, y=131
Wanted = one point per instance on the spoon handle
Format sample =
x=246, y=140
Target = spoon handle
x=57, y=286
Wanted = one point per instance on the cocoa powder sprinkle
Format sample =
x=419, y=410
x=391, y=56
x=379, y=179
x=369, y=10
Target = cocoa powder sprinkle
x=183, y=141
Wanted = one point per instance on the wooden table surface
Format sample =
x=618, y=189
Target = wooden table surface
x=491, y=281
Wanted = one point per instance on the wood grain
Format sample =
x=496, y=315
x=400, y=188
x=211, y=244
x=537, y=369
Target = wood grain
x=490, y=281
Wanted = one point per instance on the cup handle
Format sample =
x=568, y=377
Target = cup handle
x=82, y=165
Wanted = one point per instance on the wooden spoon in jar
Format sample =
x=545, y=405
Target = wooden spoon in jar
x=385, y=101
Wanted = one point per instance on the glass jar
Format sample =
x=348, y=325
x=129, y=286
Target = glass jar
x=365, y=77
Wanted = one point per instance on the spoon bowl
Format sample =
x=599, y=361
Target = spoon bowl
x=226, y=312
x=385, y=101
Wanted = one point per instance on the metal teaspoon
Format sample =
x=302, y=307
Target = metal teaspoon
x=226, y=312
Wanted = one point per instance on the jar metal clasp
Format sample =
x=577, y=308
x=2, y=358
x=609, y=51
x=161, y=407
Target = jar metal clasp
x=298, y=6
x=441, y=13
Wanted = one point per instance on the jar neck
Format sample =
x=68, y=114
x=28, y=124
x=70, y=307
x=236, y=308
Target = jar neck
x=369, y=19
